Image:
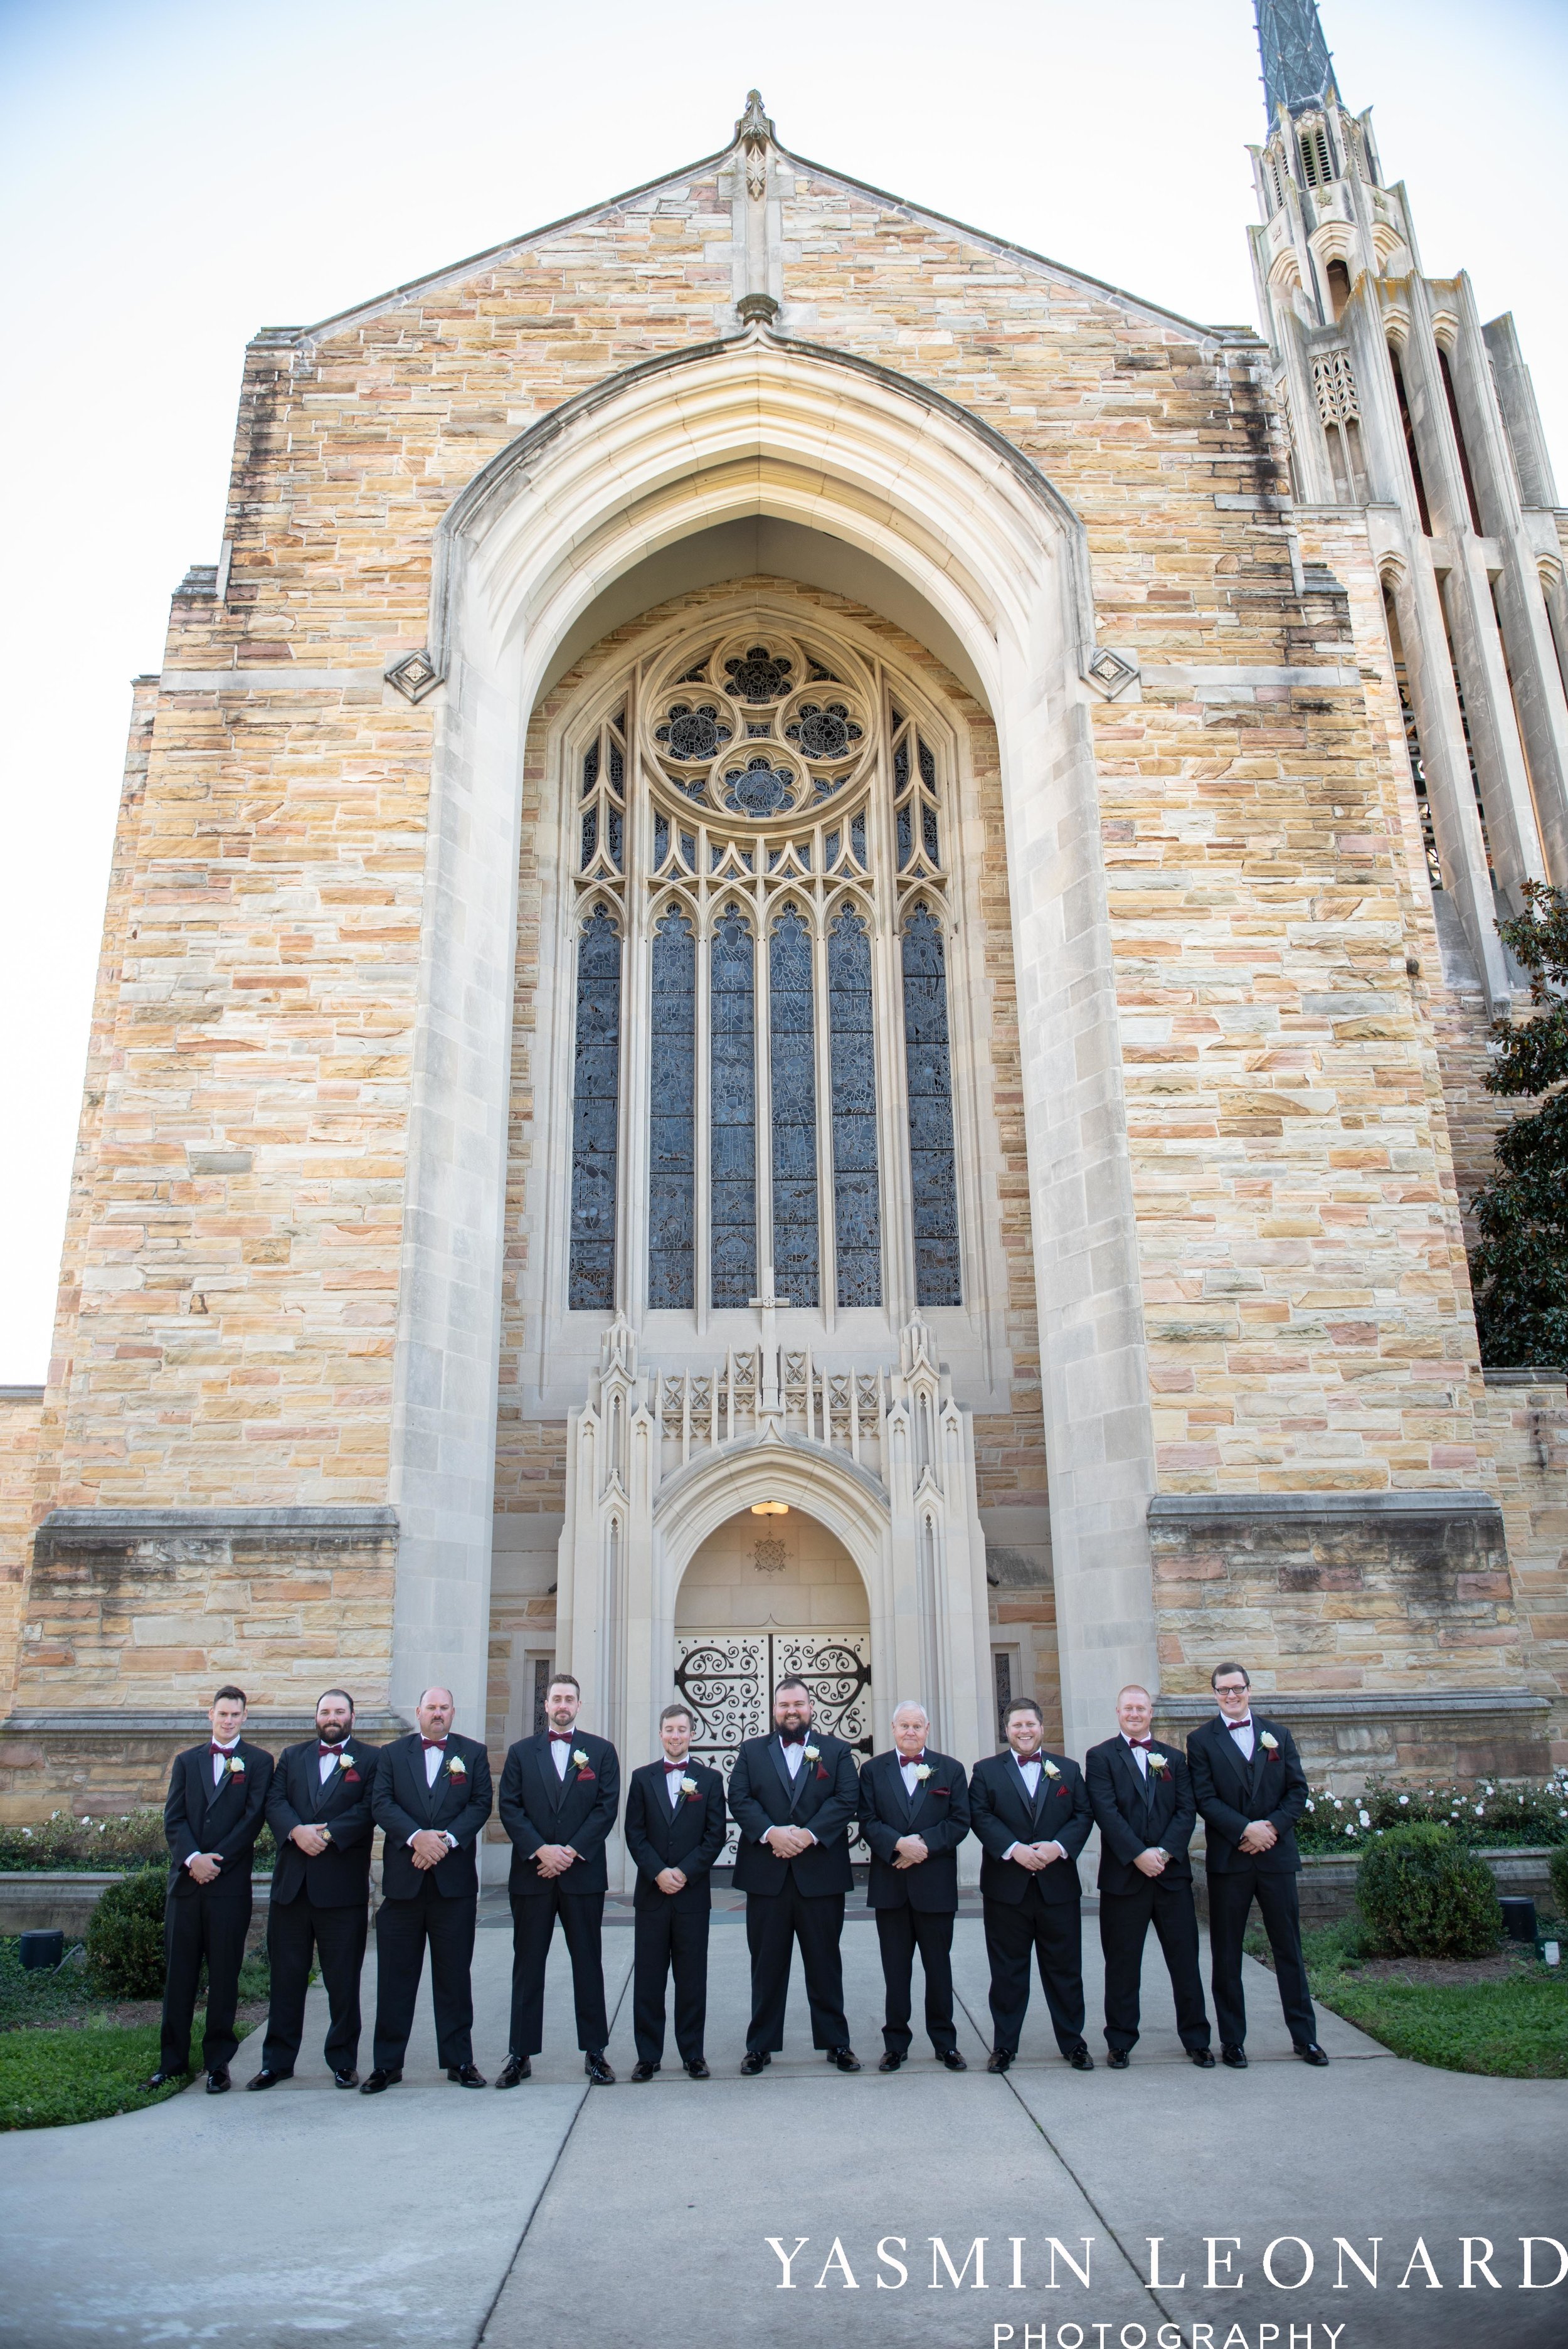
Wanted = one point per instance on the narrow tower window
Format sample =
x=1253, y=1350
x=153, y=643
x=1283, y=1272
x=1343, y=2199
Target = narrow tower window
x=933, y=1190
x=595, y=1104
x=1451, y=395
x=672, y=1161
x=1410, y=450
x=857, y=1217
x=732, y=994
x=794, y=1067
x=1338, y=277
x=1412, y=742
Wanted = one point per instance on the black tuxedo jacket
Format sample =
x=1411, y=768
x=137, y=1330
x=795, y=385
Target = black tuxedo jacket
x=939, y=1815
x=339, y=1877
x=538, y=1807
x=824, y=1797
x=1004, y=1816
x=1133, y=1818
x=458, y=1803
x=688, y=1835
x=1232, y=1792
x=226, y=1823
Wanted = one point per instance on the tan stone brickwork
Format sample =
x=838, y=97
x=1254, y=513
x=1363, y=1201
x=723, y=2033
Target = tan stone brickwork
x=1529, y=1437
x=21, y=1413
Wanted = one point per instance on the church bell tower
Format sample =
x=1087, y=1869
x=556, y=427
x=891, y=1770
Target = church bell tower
x=1401, y=405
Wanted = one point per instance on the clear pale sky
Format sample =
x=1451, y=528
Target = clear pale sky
x=176, y=173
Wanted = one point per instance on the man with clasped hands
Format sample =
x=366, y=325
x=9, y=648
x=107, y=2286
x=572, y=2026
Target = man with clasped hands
x=560, y=1793
x=675, y=1827
x=793, y=1796
x=217, y=1796
x=1141, y=1792
x=914, y=1814
x=1031, y=1814
x=318, y=1808
x=1251, y=1789
x=431, y=1799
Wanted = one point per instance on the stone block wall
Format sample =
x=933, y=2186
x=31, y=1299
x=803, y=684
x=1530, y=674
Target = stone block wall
x=21, y=1414
x=1528, y=1416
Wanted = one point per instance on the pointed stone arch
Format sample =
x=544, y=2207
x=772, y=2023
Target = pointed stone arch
x=760, y=425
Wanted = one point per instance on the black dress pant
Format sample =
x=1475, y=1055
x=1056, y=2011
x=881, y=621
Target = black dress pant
x=533, y=1916
x=198, y=1925
x=402, y=1929
x=902, y=1931
x=1052, y=1931
x=296, y=1933
x=1124, y=1922
x=1230, y=1896
x=665, y=1938
x=774, y=1923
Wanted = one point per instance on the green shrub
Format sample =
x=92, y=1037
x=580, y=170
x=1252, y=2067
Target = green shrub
x=133, y=1839
x=124, y=1936
x=1425, y=1894
x=1558, y=1865
x=1492, y=1813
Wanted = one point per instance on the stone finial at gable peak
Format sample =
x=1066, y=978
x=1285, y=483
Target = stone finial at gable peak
x=755, y=128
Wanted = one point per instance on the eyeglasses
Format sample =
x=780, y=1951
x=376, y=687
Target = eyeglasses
x=1230, y=1688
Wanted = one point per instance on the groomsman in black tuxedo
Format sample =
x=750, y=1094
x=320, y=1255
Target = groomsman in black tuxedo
x=793, y=1797
x=217, y=1799
x=560, y=1793
x=432, y=1798
x=318, y=1808
x=675, y=1827
x=1141, y=1792
x=1031, y=1813
x=1251, y=1789
x=914, y=1814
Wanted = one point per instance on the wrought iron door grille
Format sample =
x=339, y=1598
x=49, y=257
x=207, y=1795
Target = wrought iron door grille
x=727, y=1678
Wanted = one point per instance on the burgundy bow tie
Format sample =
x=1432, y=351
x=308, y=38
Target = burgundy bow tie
x=792, y=1736
x=433, y=1745
x=1141, y=1741
x=674, y=1765
x=1240, y=1725
x=910, y=1761
x=225, y=1750
x=336, y=1751
x=560, y=1737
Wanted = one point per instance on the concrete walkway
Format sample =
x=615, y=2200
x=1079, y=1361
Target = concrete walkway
x=638, y=2218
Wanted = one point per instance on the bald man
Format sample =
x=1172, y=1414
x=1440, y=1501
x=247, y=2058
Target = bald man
x=431, y=1799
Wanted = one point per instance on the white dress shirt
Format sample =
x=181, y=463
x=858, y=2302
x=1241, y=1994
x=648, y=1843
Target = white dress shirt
x=561, y=1754
x=219, y=1766
x=329, y=1764
x=1242, y=1736
x=1030, y=1772
x=793, y=1757
x=907, y=1771
x=434, y=1757
x=674, y=1773
x=1139, y=1752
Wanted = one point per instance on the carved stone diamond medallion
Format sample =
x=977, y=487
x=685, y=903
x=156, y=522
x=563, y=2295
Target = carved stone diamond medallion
x=770, y=1557
x=414, y=676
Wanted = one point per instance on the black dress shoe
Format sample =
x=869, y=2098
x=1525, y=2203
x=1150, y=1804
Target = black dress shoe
x=268, y=2079
x=642, y=2070
x=697, y=2068
x=1001, y=2060
x=755, y=2060
x=1234, y=2057
x=379, y=2080
x=1312, y=2054
x=1202, y=2057
x=598, y=2071
x=349, y=2078
x=890, y=2062
x=1118, y=2060
x=217, y=2081
x=465, y=2075
x=161, y=2080
x=1081, y=2060
x=952, y=2059
x=514, y=2071
x=845, y=2058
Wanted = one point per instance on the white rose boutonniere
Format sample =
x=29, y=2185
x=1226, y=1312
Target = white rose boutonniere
x=1270, y=1744
x=456, y=1767
x=1156, y=1762
x=1051, y=1770
x=811, y=1753
x=923, y=1771
x=689, y=1786
x=237, y=1766
x=579, y=1759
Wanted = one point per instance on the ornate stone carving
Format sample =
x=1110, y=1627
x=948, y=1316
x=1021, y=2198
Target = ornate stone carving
x=415, y=675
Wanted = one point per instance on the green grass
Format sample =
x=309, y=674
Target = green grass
x=64, y=2058
x=1515, y=2028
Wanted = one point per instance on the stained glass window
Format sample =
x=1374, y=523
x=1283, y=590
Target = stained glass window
x=672, y=1145
x=595, y=1101
x=794, y=1067
x=732, y=1109
x=857, y=1211
x=933, y=1190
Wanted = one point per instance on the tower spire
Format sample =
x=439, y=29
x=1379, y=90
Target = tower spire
x=1296, y=68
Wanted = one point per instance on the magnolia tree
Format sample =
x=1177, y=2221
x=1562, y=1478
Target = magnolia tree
x=1520, y=1263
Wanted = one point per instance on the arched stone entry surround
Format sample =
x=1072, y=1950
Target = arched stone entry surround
x=763, y=426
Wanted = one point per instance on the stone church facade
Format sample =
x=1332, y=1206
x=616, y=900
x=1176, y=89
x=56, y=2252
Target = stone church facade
x=796, y=975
